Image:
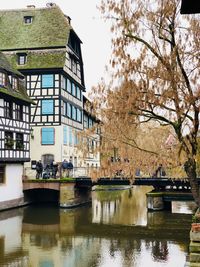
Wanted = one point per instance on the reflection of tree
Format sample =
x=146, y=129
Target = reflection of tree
x=126, y=247
x=160, y=250
x=66, y=243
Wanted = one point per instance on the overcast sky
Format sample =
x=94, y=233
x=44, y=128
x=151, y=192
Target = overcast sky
x=90, y=27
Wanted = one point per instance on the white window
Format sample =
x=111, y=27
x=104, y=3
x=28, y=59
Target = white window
x=28, y=19
x=2, y=78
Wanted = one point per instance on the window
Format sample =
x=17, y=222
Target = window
x=90, y=123
x=9, y=142
x=70, y=136
x=73, y=89
x=2, y=78
x=19, y=112
x=69, y=110
x=85, y=121
x=65, y=135
x=28, y=19
x=78, y=92
x=48, y=136
x=47, y=107
x=69, y=86
x=19, y=141
x=14, y=83
x=2, y=173
x=8, y=112
x=22, y=59
x=64, y=83
x=79, y=115
x=73, y=113
x=47, y=80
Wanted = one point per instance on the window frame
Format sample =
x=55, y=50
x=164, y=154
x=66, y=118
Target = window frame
x=22, y=58
x=8, y=109
x=28, y=20
x=9, y=140
x=79, y=115
x=19, y=141
x=18, y=112
x=3, y=80
x=69, y=110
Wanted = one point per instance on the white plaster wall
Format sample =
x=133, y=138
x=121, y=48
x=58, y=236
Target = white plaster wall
x=37, y=150
x=12, y=188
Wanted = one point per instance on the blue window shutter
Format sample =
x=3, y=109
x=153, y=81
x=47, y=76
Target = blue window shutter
x=47, y=107
x=47, y=80
x=65, y=135
x=47, y=136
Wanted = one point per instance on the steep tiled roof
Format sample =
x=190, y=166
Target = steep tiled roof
x=19, y=93
x=49, y=28
x=39, y=59
x=4, y=64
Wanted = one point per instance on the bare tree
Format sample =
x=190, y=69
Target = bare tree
x=155, y=65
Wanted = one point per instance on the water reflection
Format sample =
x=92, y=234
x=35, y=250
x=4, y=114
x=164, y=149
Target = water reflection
x=115, y=231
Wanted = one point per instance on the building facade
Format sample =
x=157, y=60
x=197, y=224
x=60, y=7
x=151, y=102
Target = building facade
x=41, y=43
x=14, y=134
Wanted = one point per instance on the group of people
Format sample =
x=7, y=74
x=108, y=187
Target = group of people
x=51, y=170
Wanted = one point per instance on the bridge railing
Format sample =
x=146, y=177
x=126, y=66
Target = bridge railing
x=92, y=172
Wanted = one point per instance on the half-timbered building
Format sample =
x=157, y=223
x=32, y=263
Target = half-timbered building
x=42, y=44
x=14, y=133
x=91, y=125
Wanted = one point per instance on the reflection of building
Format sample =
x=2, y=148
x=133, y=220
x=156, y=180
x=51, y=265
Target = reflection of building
x=11, y=252
x=14, y=134
x=41, y=43
x=104, y=211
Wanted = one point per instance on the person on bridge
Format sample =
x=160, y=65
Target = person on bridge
x=70, y=168
x=64, y=168
x=54, y=169
x=39, y=169
x=160, y=172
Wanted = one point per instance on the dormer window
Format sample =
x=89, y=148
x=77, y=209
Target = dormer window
x=2, y=79
x=28, y=19
x=22, y=58
x=14, y=83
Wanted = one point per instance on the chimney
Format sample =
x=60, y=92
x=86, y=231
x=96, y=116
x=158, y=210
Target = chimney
x=69, y=20
x=31, y=6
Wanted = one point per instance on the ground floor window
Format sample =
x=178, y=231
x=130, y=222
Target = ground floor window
x=2, y=174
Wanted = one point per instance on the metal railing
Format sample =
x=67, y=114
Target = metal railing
x=92, y=172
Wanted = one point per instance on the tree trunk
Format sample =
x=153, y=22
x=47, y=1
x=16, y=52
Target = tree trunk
x=190, y=169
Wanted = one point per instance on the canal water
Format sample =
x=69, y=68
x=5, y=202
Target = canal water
x=114, y=231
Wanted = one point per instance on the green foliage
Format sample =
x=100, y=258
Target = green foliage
x=196, y=218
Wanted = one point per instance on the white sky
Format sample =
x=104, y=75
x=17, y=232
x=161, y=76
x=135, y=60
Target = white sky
x=90, y=27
